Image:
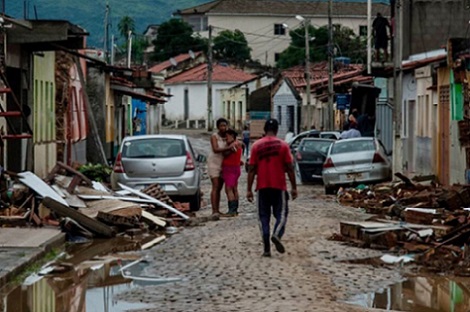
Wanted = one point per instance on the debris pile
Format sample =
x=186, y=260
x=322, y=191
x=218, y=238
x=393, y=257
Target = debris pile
x=86, y=209
x=428, y=221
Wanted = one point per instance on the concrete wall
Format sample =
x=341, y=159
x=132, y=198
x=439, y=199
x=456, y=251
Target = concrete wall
x=263, y=42
x=98, y=89
x=429, y=23
x=457, y=160
x=197, y=96
x=44, y=137
x=408, y=119
x=285, y=108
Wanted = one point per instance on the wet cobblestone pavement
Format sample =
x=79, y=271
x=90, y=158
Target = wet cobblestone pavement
x=223, y=270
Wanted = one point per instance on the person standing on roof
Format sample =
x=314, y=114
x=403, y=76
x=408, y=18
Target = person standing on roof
x=380, y=26
x=270, y=160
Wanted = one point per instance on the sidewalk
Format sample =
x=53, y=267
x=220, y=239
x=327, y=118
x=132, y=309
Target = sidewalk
x=21, y=247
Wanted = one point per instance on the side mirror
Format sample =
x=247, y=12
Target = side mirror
x=201, y=158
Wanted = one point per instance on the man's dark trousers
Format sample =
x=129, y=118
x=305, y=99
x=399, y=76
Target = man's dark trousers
x=275, y=201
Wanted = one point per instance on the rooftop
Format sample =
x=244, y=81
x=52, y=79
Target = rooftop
x=283, y=7
x=219, y=74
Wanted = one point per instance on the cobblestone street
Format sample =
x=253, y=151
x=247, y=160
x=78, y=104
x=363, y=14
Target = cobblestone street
x=223, y=270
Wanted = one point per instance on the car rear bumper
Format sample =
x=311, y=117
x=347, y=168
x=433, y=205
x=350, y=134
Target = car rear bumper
x=185, y=185
x=310, y=172
x=375, y=175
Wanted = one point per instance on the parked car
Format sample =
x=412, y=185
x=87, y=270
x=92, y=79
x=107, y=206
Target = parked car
x=310, y=157
x=168, y=160
x=355, y=161
x=294, y=143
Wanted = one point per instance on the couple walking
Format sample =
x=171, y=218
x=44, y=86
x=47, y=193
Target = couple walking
x=270, y=160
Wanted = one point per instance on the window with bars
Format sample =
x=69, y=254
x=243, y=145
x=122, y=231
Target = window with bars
x=279, y=29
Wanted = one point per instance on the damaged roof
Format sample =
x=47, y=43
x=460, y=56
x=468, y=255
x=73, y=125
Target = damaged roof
x=167, y=64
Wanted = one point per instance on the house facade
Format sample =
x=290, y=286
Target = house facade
x=188, y=105
x=266, y=24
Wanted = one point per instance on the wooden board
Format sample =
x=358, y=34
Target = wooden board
x=115, y=207
x=158, y=221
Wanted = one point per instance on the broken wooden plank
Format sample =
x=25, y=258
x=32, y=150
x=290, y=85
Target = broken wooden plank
x=130, y=199
x=404, y=178
x=154, y=200
x=158, y=221
x=39, y=186
x=87, y=222
x=116, y=207
x=126, y=221
x=153, y=242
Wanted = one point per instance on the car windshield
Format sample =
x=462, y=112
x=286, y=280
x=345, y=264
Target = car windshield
x=315, y=146
x=341, y=147
x=153, y=148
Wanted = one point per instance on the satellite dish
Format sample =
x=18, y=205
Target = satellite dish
x=191, y=54
x=173, y=62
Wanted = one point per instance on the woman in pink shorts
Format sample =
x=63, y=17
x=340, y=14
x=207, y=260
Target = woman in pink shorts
x=231, y=170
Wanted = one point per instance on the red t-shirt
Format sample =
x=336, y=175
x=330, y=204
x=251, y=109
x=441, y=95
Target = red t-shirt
x=271, y=155
x=233, y=159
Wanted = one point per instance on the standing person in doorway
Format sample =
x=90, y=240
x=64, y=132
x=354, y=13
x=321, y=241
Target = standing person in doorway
x=379, y=27
x=246, y=140
x=231, y=171
x=270, y=160
x=214, y=163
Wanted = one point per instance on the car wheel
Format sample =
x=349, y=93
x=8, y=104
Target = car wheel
x=195, y=201
x=330, y=190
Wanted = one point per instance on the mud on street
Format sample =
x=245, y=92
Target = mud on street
x=222, y=268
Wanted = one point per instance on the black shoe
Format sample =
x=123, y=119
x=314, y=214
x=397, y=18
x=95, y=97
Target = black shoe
x=266, y=254
x=277, y=242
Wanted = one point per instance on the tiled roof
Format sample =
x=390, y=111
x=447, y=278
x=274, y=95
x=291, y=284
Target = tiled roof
x=319, y=75
x=284, y=7
x=219, y=74
x=167, y=64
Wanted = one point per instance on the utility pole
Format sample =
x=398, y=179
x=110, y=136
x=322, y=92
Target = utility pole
x=129, y=48
x=369, y=36
x=331, y=91
x=112, y=50
x=397, y=86
x=308, y=120
x=106, y=32
x=209, y=82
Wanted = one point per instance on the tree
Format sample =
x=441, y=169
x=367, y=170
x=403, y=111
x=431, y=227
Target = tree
x=139, y=44
x=175, y=37
x=231, y=46
x=345, y=43
x=125, y=25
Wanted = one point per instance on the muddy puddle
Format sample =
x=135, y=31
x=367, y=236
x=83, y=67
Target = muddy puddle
x=85, y=279
x=420, y=294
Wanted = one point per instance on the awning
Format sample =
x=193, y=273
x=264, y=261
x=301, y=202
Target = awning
x=136, y=95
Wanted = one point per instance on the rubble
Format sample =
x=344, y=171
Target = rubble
x=87, y=209
x=414, y=217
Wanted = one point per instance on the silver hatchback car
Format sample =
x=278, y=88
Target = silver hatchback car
x=354, y=161
x=168, y=160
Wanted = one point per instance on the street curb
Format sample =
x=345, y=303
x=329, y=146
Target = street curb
x=32, y=254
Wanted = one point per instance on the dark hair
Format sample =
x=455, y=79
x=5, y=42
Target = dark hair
x=271, y=125
x=220, y=121
x=232, y=132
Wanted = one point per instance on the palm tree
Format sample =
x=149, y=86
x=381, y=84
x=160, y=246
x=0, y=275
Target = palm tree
x=125, y=25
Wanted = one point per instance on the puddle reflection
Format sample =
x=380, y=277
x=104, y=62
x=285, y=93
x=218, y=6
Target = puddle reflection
x=420, y=294
x=86, y=281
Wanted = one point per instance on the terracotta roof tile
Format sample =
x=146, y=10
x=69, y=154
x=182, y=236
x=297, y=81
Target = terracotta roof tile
x=167, y=64
x=284, y=7
x=219, y=74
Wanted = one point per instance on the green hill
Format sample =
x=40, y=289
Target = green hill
x=90, y=14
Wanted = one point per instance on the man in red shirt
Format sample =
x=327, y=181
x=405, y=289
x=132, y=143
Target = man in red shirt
x=270, y=160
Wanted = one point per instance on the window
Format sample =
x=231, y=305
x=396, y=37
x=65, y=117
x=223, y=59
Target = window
x=279, y=30
x=363, y=31
x=198, y=23
x=279, y=114
x=277, y=56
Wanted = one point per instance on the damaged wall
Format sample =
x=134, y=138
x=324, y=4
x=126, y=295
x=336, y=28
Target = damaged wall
x=97, y=95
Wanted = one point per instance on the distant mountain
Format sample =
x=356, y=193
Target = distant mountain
x=90, y=14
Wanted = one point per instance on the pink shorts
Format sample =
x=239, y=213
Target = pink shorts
x=230, y=174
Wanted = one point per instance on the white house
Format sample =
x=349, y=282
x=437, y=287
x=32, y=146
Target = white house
x=189, y=103
x=265, y=23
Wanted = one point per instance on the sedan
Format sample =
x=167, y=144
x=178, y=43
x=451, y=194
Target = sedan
x=356, y=161
x=168, y=160
x=310, y=157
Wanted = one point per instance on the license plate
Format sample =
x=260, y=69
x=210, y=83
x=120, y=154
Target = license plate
x=351, y=176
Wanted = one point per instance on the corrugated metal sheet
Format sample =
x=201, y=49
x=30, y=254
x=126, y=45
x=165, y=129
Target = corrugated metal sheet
x=384, y=124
